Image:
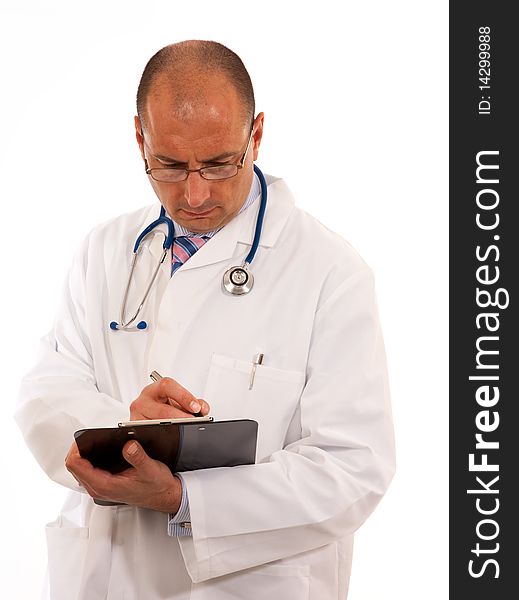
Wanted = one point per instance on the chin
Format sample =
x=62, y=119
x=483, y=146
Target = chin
x=199, y=225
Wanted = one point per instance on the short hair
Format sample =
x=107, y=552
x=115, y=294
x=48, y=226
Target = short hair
x=204, y=56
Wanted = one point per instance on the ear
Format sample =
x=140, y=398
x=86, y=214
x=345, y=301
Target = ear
x=258, y=134
x=138, y=135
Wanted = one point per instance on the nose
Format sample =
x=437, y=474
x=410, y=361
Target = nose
x=196, y=190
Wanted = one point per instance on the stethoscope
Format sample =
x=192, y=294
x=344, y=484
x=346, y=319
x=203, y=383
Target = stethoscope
x=236, y=280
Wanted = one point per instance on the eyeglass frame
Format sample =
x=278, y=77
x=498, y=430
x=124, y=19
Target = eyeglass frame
x=187, y=171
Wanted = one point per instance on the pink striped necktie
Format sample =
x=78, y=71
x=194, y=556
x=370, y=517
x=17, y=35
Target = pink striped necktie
x=183, y=248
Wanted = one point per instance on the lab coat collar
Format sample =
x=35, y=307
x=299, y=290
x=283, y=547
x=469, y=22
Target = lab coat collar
x=235, y=239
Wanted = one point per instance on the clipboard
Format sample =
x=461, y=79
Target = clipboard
x=183, y=445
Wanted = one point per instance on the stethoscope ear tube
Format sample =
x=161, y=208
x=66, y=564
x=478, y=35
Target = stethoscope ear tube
x=124, y=324
x=139, y=327
x=168, y=241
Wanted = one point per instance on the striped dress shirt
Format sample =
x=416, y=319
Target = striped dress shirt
x=180, y=523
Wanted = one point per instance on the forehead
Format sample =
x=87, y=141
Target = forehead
x=204, y=115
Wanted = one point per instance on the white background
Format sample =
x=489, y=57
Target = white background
x=355, y=102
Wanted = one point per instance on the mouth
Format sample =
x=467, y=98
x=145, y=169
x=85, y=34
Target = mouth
x=199, y=215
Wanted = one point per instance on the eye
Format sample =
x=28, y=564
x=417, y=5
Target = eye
x=219, y=164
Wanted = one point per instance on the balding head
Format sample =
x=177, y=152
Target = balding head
x=189, y=73
x=195, y=111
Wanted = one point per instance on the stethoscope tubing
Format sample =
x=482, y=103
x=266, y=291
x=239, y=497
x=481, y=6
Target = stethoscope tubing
x=261, y=215
x=168, y=242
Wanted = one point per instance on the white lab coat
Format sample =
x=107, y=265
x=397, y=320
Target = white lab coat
x=280, y=529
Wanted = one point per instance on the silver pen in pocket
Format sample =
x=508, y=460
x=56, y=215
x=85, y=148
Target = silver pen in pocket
x=257, y=360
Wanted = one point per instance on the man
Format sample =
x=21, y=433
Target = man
x=283, y=527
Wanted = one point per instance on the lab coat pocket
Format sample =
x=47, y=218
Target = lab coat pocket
x=66, y=546
x=268, y=582
x=271, y=402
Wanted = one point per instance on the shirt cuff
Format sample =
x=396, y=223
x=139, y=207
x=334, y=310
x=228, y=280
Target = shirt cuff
x=179, y=524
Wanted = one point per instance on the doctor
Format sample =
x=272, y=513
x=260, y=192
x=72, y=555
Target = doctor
x=283, y=527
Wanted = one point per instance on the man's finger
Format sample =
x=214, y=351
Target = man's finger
x=73, y=461
x=166, y=399
x=169, y=389
x=205, y=407
x=134, y=453
x=150, y=409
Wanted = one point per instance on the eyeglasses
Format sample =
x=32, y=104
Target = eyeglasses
x=215, y=173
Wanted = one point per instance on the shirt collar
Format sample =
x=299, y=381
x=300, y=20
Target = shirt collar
x=254, y=192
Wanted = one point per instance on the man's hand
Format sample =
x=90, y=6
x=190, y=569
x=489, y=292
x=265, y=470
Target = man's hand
x=166, y=399
x=147, y=484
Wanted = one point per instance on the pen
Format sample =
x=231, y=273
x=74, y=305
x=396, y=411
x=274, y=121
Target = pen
x=257, y=360
x=155, y=376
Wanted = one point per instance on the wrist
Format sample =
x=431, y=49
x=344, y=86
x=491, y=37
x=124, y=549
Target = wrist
x=172, y=497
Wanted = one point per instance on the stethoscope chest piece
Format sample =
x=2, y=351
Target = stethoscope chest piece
x=238, y=280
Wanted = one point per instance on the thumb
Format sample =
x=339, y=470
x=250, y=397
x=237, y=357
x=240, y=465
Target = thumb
x=134, y=453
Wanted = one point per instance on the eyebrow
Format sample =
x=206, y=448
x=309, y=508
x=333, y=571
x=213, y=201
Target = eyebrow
x=169, y=159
